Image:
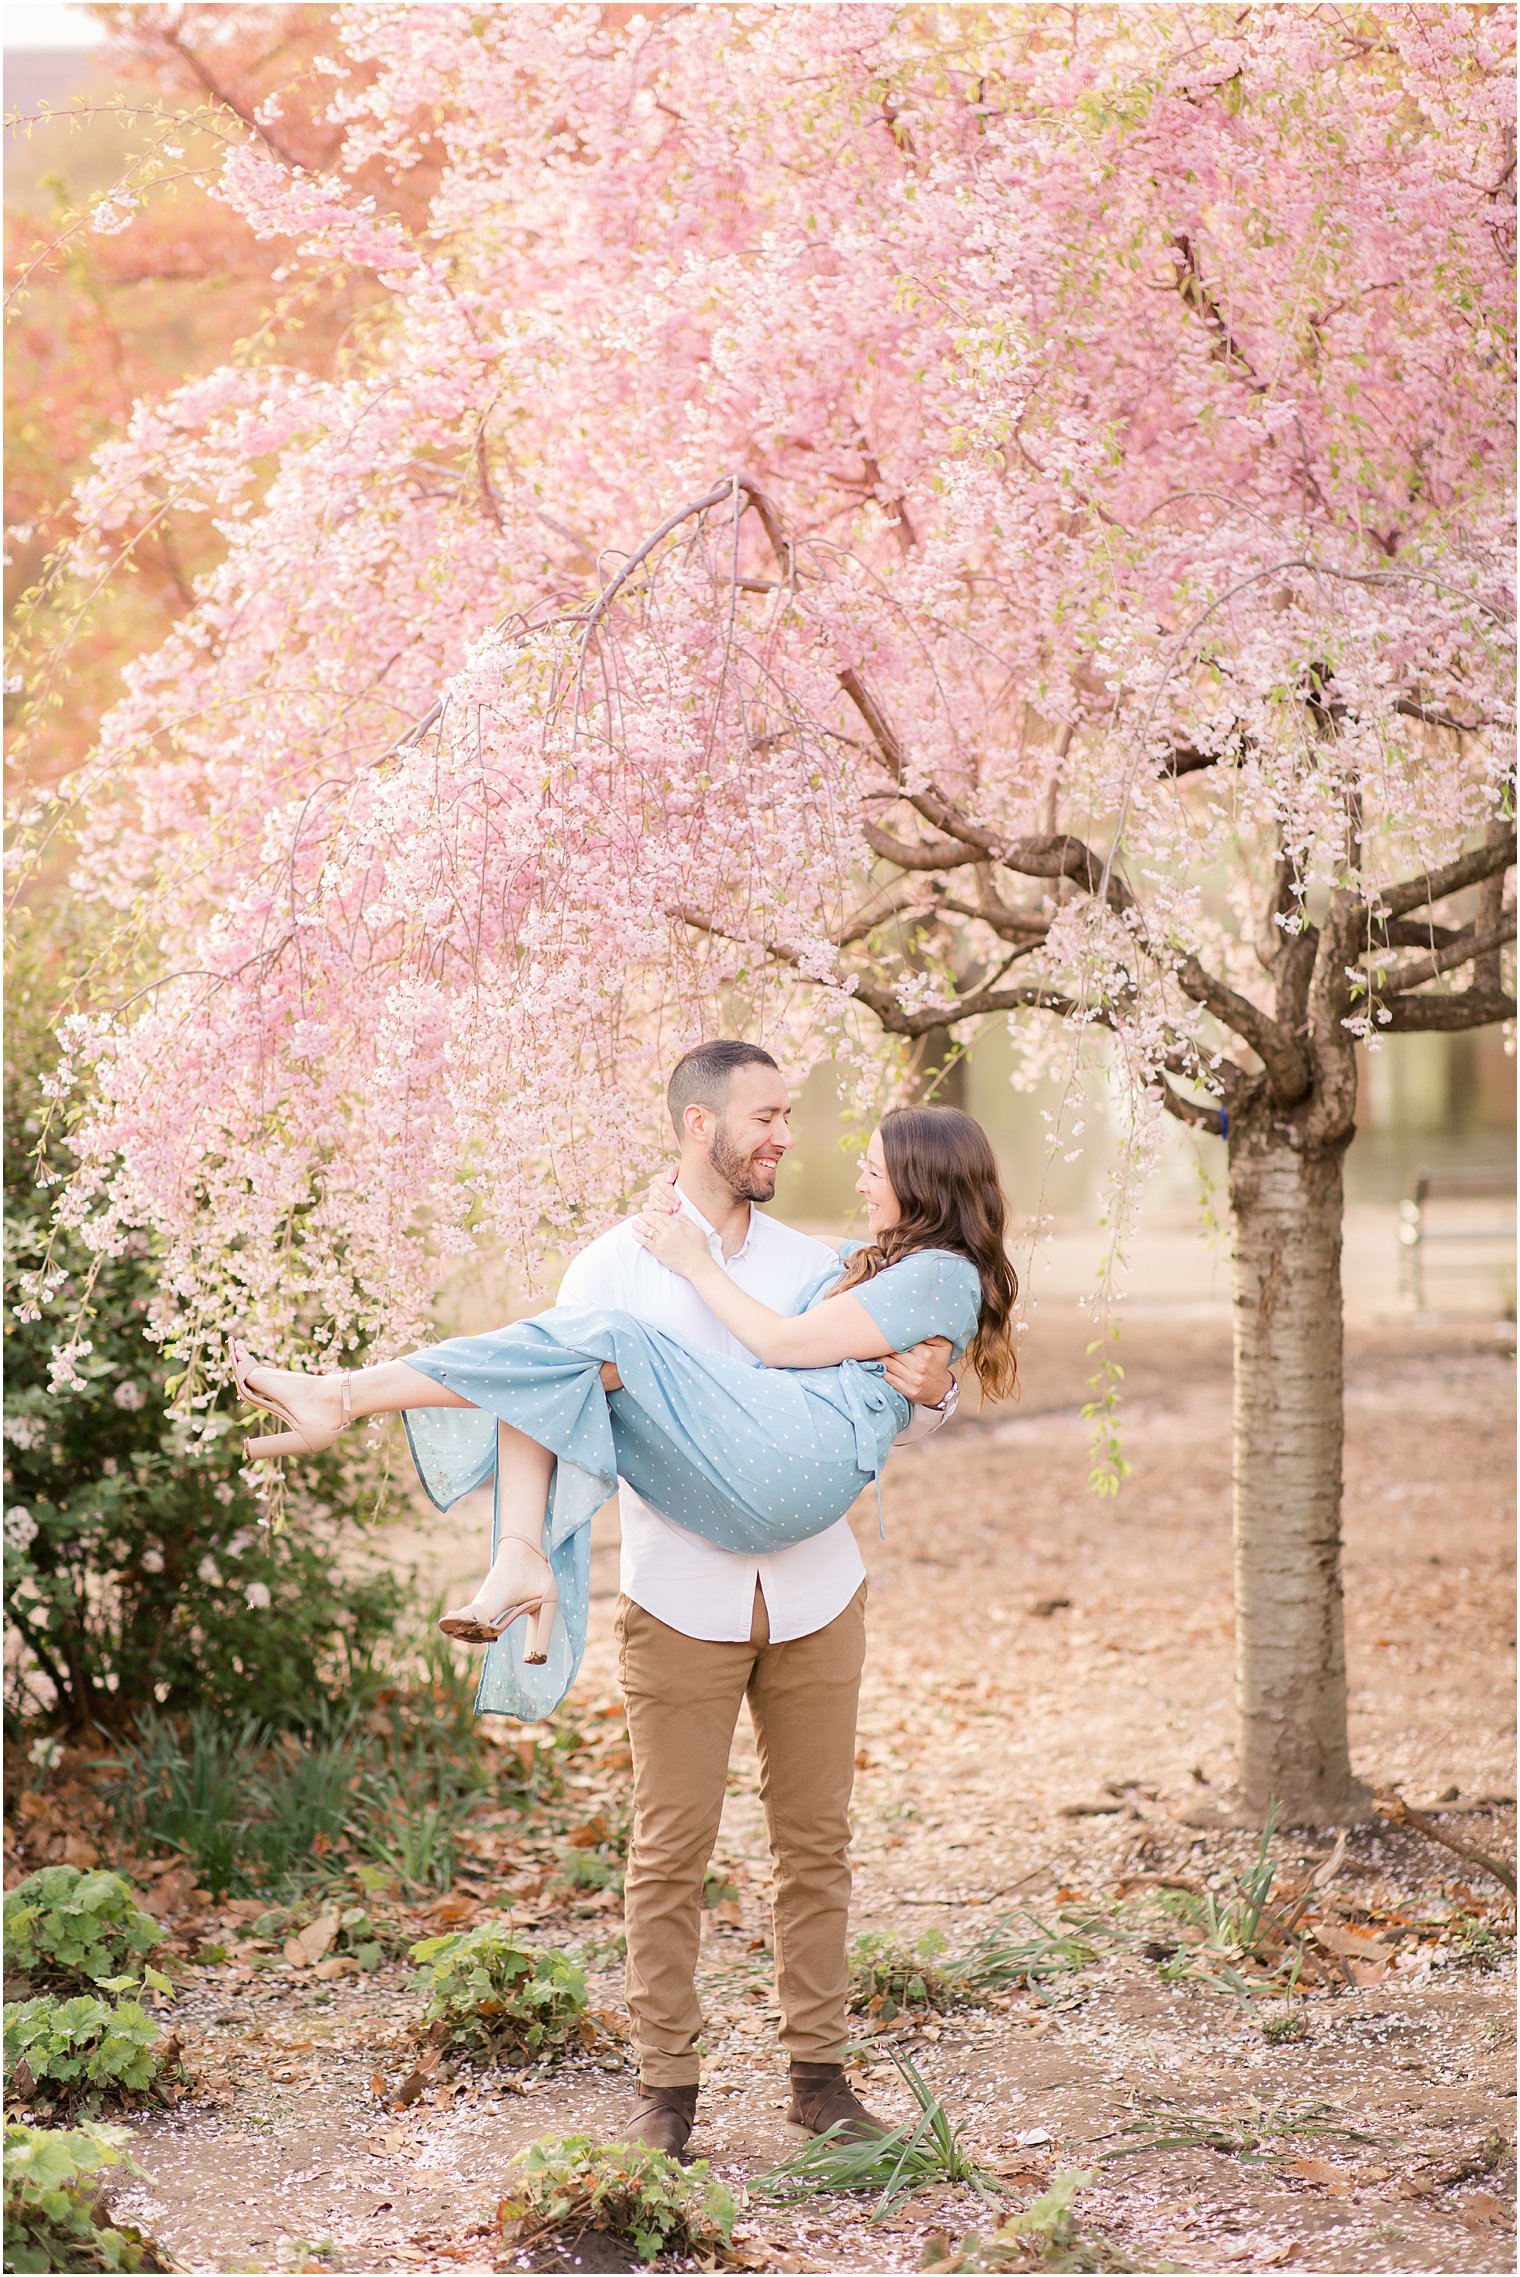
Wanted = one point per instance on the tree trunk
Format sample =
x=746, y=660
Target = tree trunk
x=1290, y=1659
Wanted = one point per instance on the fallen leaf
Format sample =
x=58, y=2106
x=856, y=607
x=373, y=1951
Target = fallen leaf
x=449, y=1911
x=1364, y=1973
x=1483, y=2211
x=1347, y=1946
x=417, y=2078
x=310, y=1943
x=396, y=2139
x=1312, y=2170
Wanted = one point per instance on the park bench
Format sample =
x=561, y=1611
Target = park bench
x=1457, y=1225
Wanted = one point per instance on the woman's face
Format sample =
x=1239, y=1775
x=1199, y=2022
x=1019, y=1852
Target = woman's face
x=882, y=1211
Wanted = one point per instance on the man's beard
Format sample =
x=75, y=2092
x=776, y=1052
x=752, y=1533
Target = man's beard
x=738, y=1171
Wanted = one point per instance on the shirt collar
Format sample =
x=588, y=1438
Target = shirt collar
x=714, y=1240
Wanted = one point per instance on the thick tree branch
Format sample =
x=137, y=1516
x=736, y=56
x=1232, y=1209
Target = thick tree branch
x=1278, y=1048
x=1433, y=717
x=1488, y=969
x=1434, y=885
x=1468, y=945
x=1447, y=1015
x=925, y=854
x=1334, y=1106
x=1059, y=855
x=992, y=910
x=171, y=37
x=687, y=513
x=1186, y=761
x=1190, y=1111
x=898, y=901
x=975, y=1006
x=1416, y=932
x=1196, y=295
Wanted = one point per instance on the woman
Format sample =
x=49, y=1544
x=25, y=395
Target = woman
x=559, y=1406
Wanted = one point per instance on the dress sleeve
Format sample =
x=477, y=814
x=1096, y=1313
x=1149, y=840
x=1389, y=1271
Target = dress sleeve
x=931, y=1293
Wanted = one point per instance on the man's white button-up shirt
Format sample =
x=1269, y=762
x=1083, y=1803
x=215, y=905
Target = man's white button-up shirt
x=682, y=1580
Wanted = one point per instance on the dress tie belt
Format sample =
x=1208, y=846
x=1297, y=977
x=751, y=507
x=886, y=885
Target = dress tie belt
x=868, y=1396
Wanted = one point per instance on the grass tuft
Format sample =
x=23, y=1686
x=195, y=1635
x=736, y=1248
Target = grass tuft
x=1251, y=2135
x=912, y=2157
x=391, y=1785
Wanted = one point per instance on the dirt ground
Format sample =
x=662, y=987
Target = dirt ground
x=1046, y=1718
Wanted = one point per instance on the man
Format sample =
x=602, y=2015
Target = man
x=700, y=1628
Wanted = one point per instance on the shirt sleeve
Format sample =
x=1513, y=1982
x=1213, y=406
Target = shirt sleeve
x=598, y=1278
x=925, y=1421
x=931, y=1293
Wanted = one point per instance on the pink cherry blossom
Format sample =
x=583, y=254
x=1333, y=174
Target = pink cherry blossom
x=1101, y=422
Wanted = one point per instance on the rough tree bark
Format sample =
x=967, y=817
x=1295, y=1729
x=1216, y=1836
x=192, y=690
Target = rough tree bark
x=1286, y=1206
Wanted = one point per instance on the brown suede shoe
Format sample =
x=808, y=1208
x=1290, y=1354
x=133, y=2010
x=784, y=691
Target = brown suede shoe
x=822, y=2097
x=663, y=2118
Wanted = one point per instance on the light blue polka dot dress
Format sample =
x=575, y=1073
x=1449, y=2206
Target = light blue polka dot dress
x=749, y=1458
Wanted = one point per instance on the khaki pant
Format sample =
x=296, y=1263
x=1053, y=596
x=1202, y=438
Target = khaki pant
x=683, y=1698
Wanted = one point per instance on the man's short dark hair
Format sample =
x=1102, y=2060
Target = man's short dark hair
x=702, y=1077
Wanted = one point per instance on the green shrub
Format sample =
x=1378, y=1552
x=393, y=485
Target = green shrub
x=490, y=1997
x=627, y=2192
x=64, y=2055
x=138, y=1567
x=65, y=1929
x=890, y=1979
x=53, y=2215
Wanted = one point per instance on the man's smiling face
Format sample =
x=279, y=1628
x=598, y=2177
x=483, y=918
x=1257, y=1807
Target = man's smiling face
x=752, y=1132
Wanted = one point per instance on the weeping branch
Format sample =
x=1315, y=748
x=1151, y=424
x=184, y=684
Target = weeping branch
x=973, y=1004
x=1464, y=870
x=1464, y=948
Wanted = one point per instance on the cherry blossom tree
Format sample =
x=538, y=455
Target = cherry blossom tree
x=859, y=523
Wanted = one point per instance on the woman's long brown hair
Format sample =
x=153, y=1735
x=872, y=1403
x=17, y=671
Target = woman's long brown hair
x=944, y=1175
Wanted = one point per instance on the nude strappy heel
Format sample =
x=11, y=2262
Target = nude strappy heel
x=299, y=1439
x=470, y=1627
